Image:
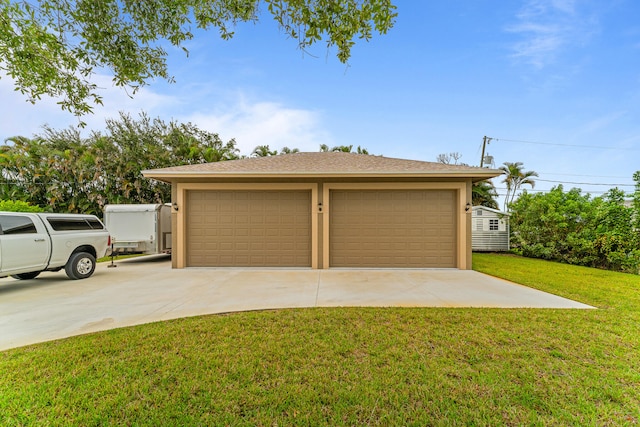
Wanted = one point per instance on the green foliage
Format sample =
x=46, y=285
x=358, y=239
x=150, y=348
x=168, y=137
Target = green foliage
x=484, y=193
x=54, y=47
x=61, y=171
x=636, y=201
x=324, y=148
x=574, y=228
x=515, y=178
x=266, y=151
x=263, y=151
x=18, y=206
x=287, y=150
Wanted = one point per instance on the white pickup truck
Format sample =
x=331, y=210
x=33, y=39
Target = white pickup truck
x=34, y=242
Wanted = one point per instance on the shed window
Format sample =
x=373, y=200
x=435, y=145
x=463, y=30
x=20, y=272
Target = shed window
x=493, y=225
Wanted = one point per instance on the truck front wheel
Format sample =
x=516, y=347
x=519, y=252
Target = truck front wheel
x=80, y=266
x=26, y=276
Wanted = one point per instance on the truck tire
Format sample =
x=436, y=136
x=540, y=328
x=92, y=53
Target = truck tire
x=80, y=265
x=26, y=276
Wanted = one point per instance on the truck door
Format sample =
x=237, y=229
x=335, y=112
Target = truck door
x=23, y=245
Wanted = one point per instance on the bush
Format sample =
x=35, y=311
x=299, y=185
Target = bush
x=18, y=206
x=574, y=228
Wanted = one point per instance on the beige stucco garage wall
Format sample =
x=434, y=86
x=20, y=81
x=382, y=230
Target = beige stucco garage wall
x=320, y=208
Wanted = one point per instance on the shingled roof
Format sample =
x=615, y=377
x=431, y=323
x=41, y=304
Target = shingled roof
x=321, y=164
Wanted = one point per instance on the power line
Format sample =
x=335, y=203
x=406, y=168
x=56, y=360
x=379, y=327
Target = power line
x=598, y=147
x=585, y=183
x=587, y=176
x=531, y=190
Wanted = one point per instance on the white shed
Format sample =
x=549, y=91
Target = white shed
x=489, y=229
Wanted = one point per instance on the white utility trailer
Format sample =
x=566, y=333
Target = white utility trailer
x=142, y=229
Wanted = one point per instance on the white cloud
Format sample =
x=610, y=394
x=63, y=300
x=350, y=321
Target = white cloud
x=546, y=28
x=117, y=99
x=567, y=6
x=254, y=123
x=251, y=122
x=603, y=122
x=19, y=117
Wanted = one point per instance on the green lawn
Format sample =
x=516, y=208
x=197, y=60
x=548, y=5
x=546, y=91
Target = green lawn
x=118, y=257
x=352, y=366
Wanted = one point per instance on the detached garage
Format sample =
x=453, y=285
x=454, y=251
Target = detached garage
x=322, y=210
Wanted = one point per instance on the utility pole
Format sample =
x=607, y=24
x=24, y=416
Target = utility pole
x=485, y=141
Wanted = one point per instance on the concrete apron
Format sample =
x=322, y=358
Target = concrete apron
x=144, y=290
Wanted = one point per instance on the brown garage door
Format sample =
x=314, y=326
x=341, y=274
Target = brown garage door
x=249, y=228
x=392, y=228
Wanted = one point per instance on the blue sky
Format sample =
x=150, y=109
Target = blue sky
x=555, y=83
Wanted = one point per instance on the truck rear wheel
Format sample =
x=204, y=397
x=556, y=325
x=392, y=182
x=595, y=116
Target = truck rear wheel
x=80, y=266
x=26, y=276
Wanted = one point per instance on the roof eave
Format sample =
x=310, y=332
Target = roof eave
x=169, y=176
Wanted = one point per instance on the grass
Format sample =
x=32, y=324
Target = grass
x=118, y=257
x=352, y=366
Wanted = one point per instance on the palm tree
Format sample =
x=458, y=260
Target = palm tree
x=287, y=150
x=343, y=148
x=263, y=151
x=515, y=178
x=484, y=193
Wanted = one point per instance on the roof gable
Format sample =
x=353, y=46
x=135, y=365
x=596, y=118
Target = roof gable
x=487, y=209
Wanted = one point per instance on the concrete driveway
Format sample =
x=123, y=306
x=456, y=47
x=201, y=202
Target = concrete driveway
x=144, y=290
